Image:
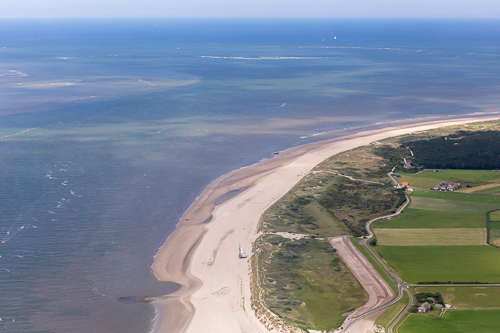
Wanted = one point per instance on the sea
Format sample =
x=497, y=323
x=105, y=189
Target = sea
x=111, y=128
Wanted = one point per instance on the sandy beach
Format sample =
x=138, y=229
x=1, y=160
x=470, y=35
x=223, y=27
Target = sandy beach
x=201, y=255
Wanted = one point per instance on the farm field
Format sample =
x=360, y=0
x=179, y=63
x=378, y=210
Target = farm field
x=489, y=191
x=467, y=298
x=444, y=263
x=495, y=216
x=494, y=226
x=467, y=175
x=431, y=237
x=452, y=205
x=485, y=321
x=428, y=178
x=421, y=218
x=454, y=196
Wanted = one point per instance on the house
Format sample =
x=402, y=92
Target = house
x=410, y=188
x=447, y=187
x=405, y=183
x=424, y=307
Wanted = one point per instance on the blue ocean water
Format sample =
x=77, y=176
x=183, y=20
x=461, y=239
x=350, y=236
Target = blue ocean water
x=109, y=130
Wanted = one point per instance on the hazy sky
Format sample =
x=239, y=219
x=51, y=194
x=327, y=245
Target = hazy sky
x=251, y=8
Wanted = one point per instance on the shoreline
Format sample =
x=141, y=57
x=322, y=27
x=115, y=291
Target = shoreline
x=214, y=293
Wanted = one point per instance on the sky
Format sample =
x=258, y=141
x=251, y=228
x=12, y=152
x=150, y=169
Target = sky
x=250, y=8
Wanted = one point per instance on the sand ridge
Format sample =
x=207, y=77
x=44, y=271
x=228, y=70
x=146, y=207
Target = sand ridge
x=201, y=255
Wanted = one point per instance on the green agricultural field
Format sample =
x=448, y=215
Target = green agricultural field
x=444, y=263
x=495, y=216
x=421, y=218
x=489, y=191
x=485, y=321
x=431, y=237
x=461, y=175
x=467, y=298
x=457, y=197
x=452, y=205
x=495, y=236
x=494, y=226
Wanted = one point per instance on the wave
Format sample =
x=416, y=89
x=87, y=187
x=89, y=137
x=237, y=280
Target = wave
x=11, y=72
x=267, y=58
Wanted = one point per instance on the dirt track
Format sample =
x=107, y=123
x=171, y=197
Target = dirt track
x=366, y=274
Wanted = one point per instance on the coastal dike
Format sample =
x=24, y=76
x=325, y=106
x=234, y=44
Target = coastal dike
x=201, y=255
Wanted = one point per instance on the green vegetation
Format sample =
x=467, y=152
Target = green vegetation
x=454, y=322
x=431, y=237
x=460, y=175
x=452, y=205
x=443, y=264
x=421, y=218
x=462, y=150
x=495, y=216
x=489, y=191
x=386, y=319
x=467, y=298
x=494, y=225
x=302, y=281
x=469, y=179
x=455, y=196
x=325, y=204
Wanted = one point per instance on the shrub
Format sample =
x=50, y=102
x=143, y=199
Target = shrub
x=289, y=255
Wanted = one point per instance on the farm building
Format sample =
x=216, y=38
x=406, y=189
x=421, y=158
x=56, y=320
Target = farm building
x=447, y=187
x=424, y=307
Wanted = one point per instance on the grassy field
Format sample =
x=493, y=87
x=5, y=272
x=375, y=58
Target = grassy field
x=302, y=282
x=457, y=197
x=495, y=216
x=494, y=225
x=495, y=234
x=444, y=263
x=461, y=175
x=431, y=237
x=454, y=322
x=489, y=191
x=467, y=298
x=421, y=218
x=386, y=319
x=428, y=178
x=452, y=205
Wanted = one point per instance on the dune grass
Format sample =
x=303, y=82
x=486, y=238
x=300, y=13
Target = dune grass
x=302, y=280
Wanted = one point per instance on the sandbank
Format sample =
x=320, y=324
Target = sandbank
x=201, y=255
